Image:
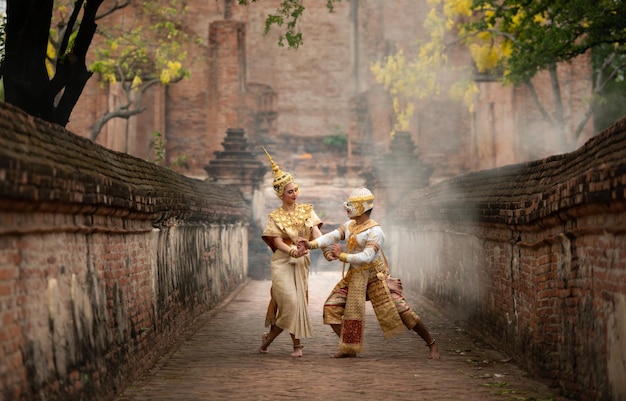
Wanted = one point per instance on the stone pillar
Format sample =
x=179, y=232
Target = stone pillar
x=241, y=168
x=227, y=85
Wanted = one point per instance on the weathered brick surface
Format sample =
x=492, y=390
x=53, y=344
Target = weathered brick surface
x=315, y=89
x=532, y=255
x=104, y=260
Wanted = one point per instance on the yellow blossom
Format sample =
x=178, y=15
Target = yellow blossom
x=136, y=82
x=485, y=57
x=517, y=18
x=539, y=19
x=165, y=77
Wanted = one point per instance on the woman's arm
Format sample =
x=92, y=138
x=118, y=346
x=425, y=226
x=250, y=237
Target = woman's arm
x=316, y=232
x=291, y=250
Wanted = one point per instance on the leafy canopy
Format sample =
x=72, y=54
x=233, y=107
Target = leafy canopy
x=538, y=34
x=145, y=52
x=509, y=40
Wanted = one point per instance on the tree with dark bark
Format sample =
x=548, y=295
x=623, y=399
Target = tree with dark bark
x=44, y=67
x=49, y=86
x=27, y=84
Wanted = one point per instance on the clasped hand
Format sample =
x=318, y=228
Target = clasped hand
x=301, y=250
x=335, y=251
x=331, y=253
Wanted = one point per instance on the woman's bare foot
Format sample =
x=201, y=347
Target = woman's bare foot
x=434, y=351
x=265, y=342
x=297, y=351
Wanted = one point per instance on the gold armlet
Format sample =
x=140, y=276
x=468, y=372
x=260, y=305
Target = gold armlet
x=343, y=257
x=313, y=244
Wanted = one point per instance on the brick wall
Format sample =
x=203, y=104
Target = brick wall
x=314, y=90
x=105, y=260
x=532, y=256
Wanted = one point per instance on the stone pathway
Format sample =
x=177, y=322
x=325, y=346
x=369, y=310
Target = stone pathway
x=218, y=360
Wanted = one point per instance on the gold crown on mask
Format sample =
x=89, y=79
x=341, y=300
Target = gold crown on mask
x=281, y=178
x=362, y=200
x=361, y=195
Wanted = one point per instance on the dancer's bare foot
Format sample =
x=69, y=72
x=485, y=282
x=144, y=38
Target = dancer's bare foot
x=343, y=355
x=434, y=351
x=297, y=351
x=265, y=342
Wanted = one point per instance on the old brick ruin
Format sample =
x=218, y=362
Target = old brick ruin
x=533, y=256
x=104, y=258
x=98, y=272
x=292, y=100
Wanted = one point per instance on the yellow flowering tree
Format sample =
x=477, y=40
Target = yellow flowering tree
x=151, y=50
x=510, y=40
x=427, y=73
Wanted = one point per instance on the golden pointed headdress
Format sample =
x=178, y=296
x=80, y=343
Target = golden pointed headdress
x=281, y=178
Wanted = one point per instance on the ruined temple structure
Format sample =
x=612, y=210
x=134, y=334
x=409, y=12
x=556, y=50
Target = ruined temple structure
x=238, y=166
x=295, y=99
x=398, y=172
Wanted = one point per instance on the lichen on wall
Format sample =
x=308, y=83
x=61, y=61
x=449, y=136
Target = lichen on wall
x=616, y=349
x=106, y=260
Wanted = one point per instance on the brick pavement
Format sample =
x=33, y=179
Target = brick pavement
x=218, y=360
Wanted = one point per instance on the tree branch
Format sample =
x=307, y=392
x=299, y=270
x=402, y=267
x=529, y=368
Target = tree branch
x=583, y=121
x=542, y=110
x=556, y=94
x=113, y=8
x=119, y=112
x=77, y=75
x=78, y=4
x=123, y=110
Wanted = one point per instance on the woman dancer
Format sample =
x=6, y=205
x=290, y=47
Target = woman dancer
x=288, y=308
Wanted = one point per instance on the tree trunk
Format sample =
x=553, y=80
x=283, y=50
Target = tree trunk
x=26, y=81
x=24, y=68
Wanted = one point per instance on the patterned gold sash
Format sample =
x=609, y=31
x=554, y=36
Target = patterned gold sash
x=351, y=339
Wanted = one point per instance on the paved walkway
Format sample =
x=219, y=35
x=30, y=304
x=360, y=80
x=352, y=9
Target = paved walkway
x=219, y=361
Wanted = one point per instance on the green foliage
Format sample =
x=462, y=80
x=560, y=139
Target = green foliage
x=158, y=151
x=543, y=34
x=287, y=16
x=158, y=147
x=152, y=49
x=337, y=139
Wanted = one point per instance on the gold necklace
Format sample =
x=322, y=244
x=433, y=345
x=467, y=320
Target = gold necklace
x=294, y=218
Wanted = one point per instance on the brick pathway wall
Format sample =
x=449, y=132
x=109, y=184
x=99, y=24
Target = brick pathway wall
x=104, y=260
x=531, y=255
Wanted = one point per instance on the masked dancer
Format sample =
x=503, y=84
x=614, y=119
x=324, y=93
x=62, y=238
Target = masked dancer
x=367, y=278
